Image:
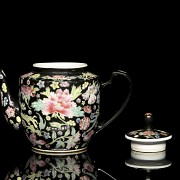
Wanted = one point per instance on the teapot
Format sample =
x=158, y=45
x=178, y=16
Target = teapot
x=58, y=106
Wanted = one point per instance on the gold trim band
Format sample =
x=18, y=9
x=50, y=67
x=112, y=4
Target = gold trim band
x=59, y=152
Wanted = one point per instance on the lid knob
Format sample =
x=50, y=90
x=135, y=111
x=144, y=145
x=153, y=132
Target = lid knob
x=148, y=121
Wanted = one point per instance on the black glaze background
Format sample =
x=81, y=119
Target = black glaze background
x=146, y=50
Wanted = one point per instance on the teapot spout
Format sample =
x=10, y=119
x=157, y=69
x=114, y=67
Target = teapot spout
x=10, y=108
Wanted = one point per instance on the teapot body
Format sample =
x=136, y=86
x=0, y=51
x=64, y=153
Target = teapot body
x=59, y=107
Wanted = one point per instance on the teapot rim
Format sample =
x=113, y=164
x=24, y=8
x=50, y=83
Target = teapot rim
x=60, y=65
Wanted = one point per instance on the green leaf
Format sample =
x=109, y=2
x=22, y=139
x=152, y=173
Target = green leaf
x=67, y=176
x=38, y=105
x=77, y=111
x=29, y=119
x=73, y=176
x=58, y=144
x=75, y=92
x=47, y=92
x=58, y=162
x=42, y=123
x=54, y=135
x=35, y=76
x=67, y=133
x=55, y=124
x=73, y=131
x=35, y=89
x=54, y=173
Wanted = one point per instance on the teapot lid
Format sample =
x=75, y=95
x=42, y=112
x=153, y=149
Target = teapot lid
x=148, y=136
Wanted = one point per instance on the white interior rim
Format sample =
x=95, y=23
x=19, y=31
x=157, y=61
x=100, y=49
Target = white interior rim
x=60, y=65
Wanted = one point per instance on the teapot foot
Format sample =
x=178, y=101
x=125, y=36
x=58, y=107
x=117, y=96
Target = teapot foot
x=58, y=152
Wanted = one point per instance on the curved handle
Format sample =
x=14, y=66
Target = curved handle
x=121, y=73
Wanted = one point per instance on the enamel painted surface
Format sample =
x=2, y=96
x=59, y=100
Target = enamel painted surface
x=148, y=136
x=60, y=65
x=59, y=112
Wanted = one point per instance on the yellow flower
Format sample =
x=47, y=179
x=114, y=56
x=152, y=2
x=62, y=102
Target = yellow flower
x=48, y=118
x=55, y=85
x=4, y=87
x=23, y=106
x=85, y=85
x=11, y=122
x=71, y=123
x=11, y=175
x=18, y=119
x=48, y=128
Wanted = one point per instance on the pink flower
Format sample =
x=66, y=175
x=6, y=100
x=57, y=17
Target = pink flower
x=90, y=94
x=88, y=166
x=84, y=178
x=32, y=138
x=87, y=109
x=71, y=142
x=34, y=141
x=148, y=133
x=84, y=123
x=26, y=90
x=59, y=102
x=10, y=112
x=34, y=162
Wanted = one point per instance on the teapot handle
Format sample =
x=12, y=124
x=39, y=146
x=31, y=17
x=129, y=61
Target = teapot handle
x=121, y=73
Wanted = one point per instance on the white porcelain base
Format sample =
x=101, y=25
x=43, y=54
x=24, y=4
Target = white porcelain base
x=148, y=146
x=148, y=156
x=148, y=165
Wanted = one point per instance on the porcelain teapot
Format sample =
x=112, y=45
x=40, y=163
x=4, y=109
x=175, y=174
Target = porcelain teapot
x=58, y=106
